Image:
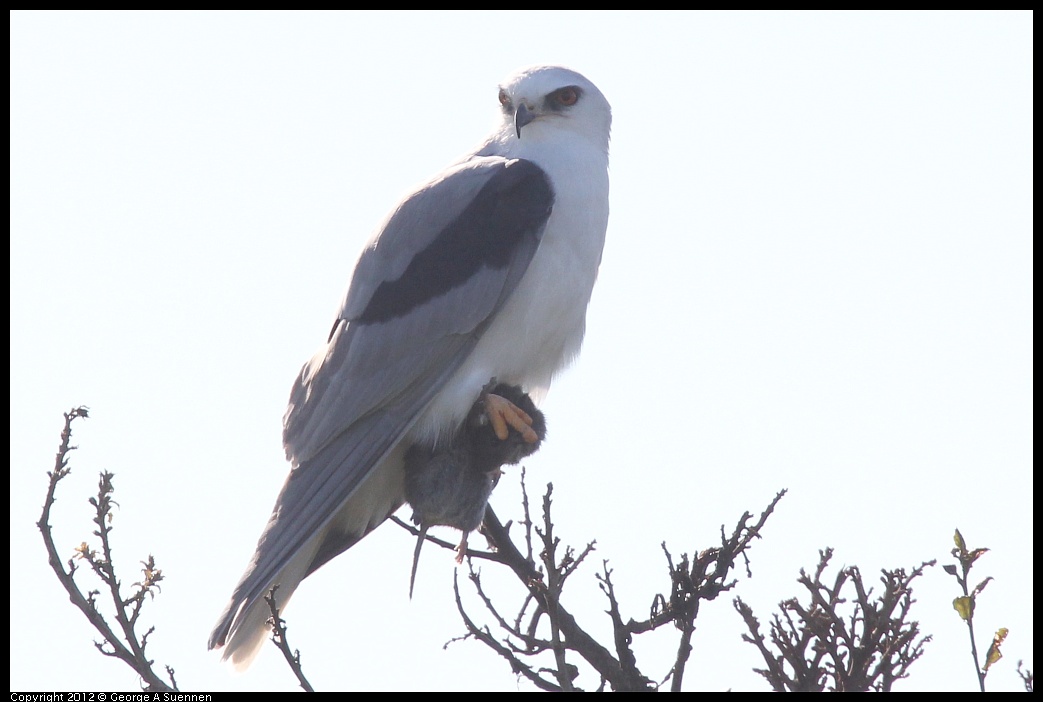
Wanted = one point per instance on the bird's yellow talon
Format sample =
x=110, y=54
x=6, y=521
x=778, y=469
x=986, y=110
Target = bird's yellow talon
x=503, y=413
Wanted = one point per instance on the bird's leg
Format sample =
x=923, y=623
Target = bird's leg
x=503, y=413
x=461, y=550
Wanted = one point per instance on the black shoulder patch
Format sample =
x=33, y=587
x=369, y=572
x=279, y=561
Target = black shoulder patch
x=514, y=204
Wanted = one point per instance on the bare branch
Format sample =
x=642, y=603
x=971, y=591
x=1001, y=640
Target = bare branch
x=692, y=581
x=483, y=635
x=130, y=648
x=817, y=647
x=278, y=625
x=1026, y=677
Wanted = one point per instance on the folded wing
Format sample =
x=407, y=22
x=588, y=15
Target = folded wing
x=423, y=292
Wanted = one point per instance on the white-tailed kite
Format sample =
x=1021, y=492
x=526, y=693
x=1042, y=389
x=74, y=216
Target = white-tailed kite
x=483, y=273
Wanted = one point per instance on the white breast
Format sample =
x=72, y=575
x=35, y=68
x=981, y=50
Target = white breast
x=540, y=328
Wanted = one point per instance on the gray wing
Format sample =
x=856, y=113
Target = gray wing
x=422, y=293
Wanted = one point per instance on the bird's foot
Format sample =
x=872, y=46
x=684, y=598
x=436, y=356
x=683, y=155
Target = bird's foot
x=503, y=413
x=461, y=550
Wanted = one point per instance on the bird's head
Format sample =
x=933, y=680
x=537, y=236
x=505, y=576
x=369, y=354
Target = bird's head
x=541, y=101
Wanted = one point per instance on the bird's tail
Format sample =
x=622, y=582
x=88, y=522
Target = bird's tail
x=243, y=626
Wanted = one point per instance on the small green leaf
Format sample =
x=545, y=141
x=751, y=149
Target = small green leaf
x=994, y=654
x=958, y=538
x=950, y=569
x=974, y=555
x=964, y=606
x=981, y=585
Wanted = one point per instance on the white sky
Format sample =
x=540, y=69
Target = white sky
x=818, y=276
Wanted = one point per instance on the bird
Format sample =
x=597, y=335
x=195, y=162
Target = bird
x=482, y=274
x=450, y=484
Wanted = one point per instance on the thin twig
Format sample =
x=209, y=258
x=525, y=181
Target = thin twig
x=278, y=624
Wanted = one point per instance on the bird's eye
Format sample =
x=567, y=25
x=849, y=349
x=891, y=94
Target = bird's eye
x=504, y=99
x=566, y=96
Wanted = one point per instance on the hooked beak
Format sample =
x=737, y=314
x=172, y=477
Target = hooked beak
x=522, y=117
